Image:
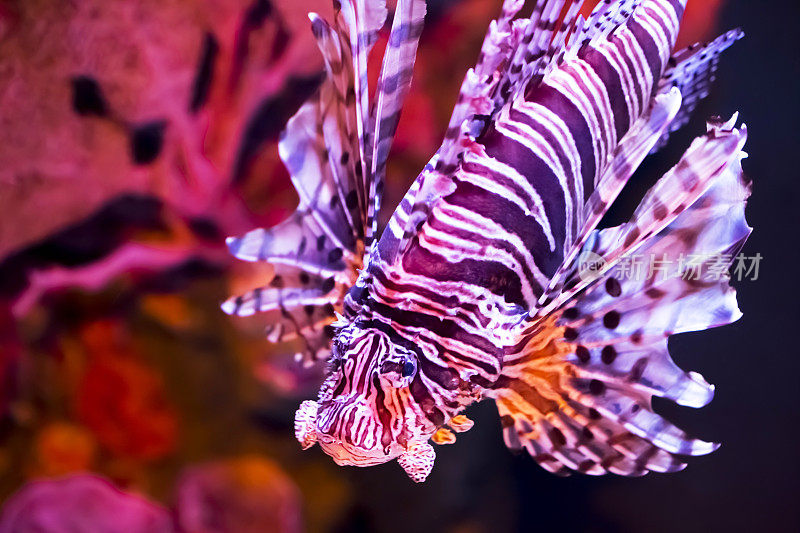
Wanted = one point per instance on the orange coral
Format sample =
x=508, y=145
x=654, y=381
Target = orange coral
x=122, y=400
x=62, y=448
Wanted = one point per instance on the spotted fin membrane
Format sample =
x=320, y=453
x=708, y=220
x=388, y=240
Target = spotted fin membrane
x=579, y=384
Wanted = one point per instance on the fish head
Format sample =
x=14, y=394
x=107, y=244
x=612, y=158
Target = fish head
x=366, y=413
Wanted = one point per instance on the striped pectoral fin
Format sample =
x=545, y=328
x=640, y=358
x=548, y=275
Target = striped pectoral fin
x=579, y=383
x=585, y=403
x=543, y=411
x=312, y=272
x=316, y=154
x=335, y=149
x=298, y=307
x=316, y=252
x=300, y=242
x=706, y=181
x=333, y=160
x=579, y=438
x=360, y=21
x=338, y=119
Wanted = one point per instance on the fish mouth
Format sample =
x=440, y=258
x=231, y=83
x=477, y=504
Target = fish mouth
x=372, y=446
x=416, y=459
x=415, y=456
x=345, y=454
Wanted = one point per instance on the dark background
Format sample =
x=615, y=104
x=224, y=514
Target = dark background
x=752, y=483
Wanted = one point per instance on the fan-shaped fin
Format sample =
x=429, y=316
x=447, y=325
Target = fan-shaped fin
x=577, y=387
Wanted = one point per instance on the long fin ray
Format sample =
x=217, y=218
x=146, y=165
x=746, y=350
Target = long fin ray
x=393, y=85
x=692, y=70
x=335, y=149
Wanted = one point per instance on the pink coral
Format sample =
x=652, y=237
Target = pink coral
x=243, y=495
x=81, y=503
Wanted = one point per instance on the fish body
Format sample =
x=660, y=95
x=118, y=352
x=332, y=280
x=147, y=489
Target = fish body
x=475, y=290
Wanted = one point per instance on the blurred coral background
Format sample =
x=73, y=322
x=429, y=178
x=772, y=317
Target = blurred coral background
x=135, y=136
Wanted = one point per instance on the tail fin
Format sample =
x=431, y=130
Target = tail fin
x=577, y=386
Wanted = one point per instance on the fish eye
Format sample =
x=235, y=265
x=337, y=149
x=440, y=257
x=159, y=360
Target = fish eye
x=399, y=369
x=409, y=368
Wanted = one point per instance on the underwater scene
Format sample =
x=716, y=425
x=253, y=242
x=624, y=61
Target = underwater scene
x=398, y=265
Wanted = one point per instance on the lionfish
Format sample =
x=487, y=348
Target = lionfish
x=474, y=289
